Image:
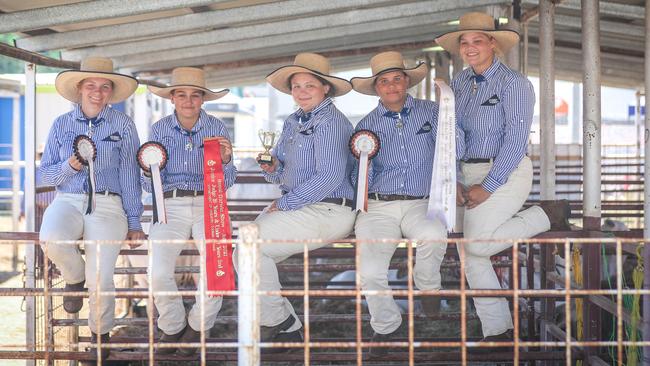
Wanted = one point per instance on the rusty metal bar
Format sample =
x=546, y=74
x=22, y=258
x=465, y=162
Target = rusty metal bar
x=306, y=303
x=248, y=306
x=411, y=324
x=515, y=300
x=646, y=176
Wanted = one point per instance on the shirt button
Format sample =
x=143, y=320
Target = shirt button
x=185, y=163
x=406, y=161
x=283, y=154
x=400, y=134
x=402, y=146
x=299, y=145
x=401, y=185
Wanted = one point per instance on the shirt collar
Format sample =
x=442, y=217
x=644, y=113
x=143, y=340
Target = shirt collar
x=197, y=126
x=308, y=116
x=490, y=70
x=408, y=103
x=78, y=114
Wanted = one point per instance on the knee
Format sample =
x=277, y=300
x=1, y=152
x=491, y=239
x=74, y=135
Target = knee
x=372, y=275
x=159, y=278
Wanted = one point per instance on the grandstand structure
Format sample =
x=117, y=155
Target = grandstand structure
x=576, y=295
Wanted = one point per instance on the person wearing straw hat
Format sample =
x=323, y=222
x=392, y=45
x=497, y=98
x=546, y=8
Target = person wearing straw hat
x=494, y=112
x=110, y=211
x=399, y=181
x=312, y=166
x=183, y=133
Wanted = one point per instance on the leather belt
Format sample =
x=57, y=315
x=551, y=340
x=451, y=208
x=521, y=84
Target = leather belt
x=336, y=201
x=182, y=193
x=478, y=161
x=107, y=193
x=394, y=197
x=339, y=201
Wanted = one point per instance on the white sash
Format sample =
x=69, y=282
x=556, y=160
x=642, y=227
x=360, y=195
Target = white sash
x=442, y=195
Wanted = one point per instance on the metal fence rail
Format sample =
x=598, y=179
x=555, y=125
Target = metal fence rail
x=537, y=338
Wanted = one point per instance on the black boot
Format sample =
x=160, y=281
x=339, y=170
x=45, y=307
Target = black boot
x=189, y=336
x=103, y=352
x=169, y=338
x=379, y=352
x=506, y=336
x=72, y=304
x=278, y=334
x=558, y=213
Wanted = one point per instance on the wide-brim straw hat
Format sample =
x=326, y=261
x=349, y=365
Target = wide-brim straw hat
x=311, y=63
x=386, y=62
x=188, y=77
x=67, y=82
x=478, y=22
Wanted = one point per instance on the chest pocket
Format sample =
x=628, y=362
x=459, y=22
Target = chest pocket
x=109, y=147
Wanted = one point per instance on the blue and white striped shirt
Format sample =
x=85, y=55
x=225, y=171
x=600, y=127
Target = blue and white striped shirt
x=495, y=120
x=315, y=162
x=116, y=169
x=405, y=159
x=184, y=169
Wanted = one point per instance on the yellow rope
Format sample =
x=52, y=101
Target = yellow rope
x=637, y=279
x=576, y=264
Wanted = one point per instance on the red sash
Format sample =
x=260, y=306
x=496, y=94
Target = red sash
x=218, y=267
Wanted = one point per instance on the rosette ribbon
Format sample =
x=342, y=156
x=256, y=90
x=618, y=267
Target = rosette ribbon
x=364, y=145
x=152, y=158
x=86, y=152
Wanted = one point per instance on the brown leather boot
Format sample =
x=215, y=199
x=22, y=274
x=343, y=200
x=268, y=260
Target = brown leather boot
x=169, y=338
x=279, y=334
x=430, y=305
x=506, y=336
x=72, y=304
x=558, y=213
x=189, y=336
x=103, y=352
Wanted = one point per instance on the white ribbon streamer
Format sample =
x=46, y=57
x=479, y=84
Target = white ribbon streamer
x=442, y=194
x=362, y=183
x=156, y=181
x=91, y=182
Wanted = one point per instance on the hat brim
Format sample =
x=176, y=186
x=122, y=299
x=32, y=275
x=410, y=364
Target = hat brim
x=67, y=82
x=366, y=85
x=279, y=79
x=208, y=95
x=505, y=39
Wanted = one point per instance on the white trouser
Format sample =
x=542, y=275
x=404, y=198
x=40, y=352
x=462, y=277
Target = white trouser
x=497, y=218
x=396, y=220
x=324, y=221
x=184, y=220
x=64, y=219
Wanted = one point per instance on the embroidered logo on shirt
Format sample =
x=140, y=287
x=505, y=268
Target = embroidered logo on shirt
x=114, y=137
x=492, y=101
x=426, y=127
x=308, y=131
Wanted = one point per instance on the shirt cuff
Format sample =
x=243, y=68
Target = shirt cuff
x=67, y=170
x=134, y=223
x=490, y=184
x=282, y=204
x=276, y=173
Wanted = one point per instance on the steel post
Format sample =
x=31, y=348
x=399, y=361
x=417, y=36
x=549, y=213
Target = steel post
x=591, y=113
x=547, y=99
x=30, y=203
